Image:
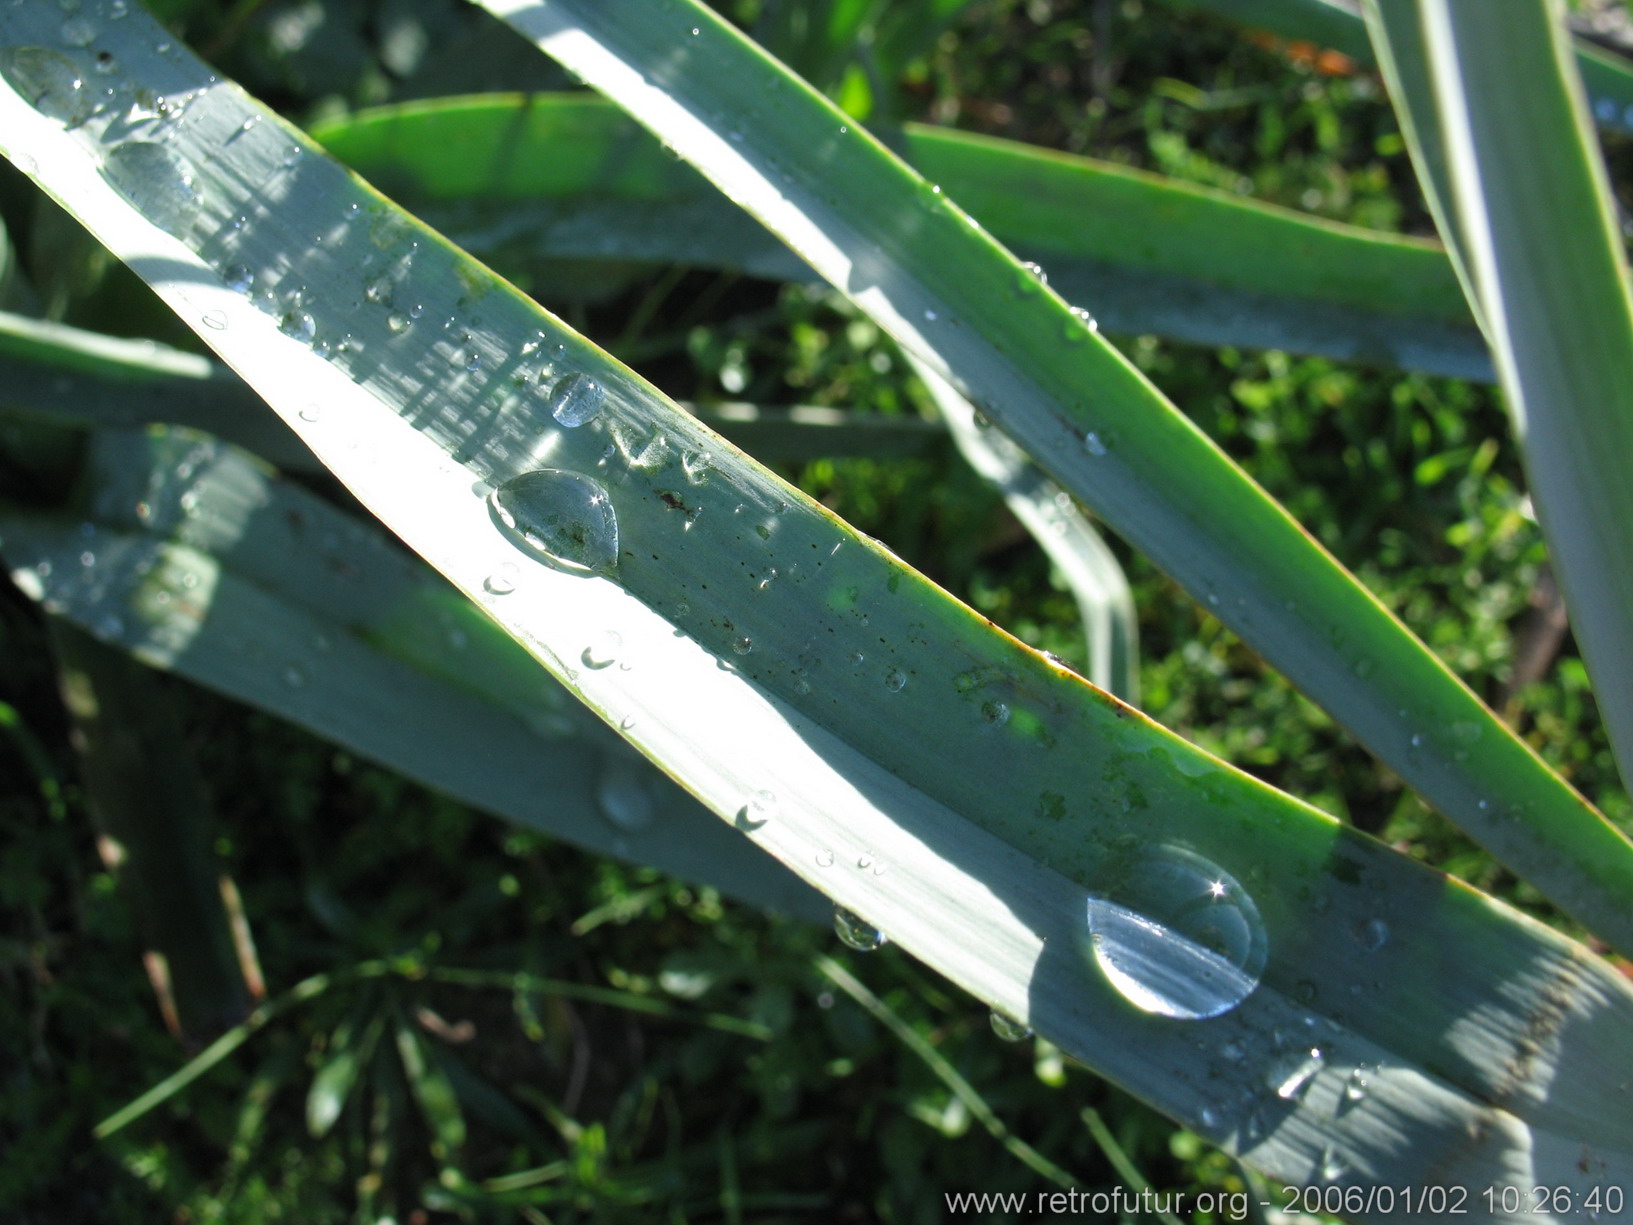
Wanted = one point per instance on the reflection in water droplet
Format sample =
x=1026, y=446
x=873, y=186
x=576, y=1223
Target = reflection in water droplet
x=623, y=798
x=1008, y=1028
x=300, y=325
x=239, y=279
x=158, y=182
x=563, y=518
x=49, y=82
x=575, y=400
x=1089, y=320
x=995, y=712
x=1093, y=444
x=398, y=322
x=603, y=651
x=742, y=646
x=761, y=807
x=1372, y=935
x=856, y=931
x=895, y=680
x=1176, y=934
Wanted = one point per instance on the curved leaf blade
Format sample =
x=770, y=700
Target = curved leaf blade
x=928, y=275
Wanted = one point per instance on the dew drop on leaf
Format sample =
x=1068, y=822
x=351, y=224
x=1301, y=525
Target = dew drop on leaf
x=603, y=650
x=77, y=31
x=50, y=83
x=758, y=811
x=623, y=798
x=1372, y=935
x=562, y=518
x=576, y=399
x=1008, y=1028
x=1290, y=1074
x=1175, y=934
x=1093, y=444
x=857, y=932
x=159, y=182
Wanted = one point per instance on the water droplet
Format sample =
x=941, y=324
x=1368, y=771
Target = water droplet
x=1332, y=1165
x=995, y=712
x=1372, y=935
x=1037, y=272
x=1290, y=1074
x=742, y=646
x=931, y=316
x=239, y=279
x=623, y=798
x=576, y=399
x=78, y=32
x=1176, y=934
x=824, y=859
x=378, y=290
x=603, y=651
x=759, y=809
x=502, y=581
x=294, y=676
x=310, y=412
x=1355, y=1088
x=1008, y=1028
x=49, y=82
x=158, y=182
x=562, y=517
x=895, y=680
x=1089, y=321
x=627, y=722
x=1092, y=444
x=856, y=931
x=214, y=320
x=299, y=325
x=697, y=465
x=398, y=322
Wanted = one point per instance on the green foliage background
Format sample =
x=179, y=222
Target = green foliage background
x=1411, y=481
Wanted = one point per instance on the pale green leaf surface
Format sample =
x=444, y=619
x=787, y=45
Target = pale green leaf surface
x=1487, y=1025
x=206, y=565
x=1537, y=228
x=924, y=270
x=519, y=179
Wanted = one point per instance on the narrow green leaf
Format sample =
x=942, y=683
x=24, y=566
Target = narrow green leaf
x=432, y=1092
x=255, y=588
x=1338, y=24
x=1537, y=227
x=348, y=1054
x=1485, y=1025
x=925, y=271
x=519, y=178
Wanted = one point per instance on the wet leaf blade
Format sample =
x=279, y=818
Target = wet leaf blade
x=962, y=304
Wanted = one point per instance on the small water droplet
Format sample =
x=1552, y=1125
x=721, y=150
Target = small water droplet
x=697, y=465
x=1175, y=933
x=1290, y=1074
x=398, y=322
x=1088, y=320
x=931, y=316
x=49, y=82
x=895, y=680
x=238, y=278
x=995, y=713
x=78, y=32
x=502, y=581
x=1093, y=444
x=1037, y=272
x=857, y=932
x=742, y=646
x=159, y=182
x=603, y=650
x=1008, y=1028
x=1372, y=935
x=310, y=412
x=299, y=325
x=1355, y=1088
x=623, y=797
x=824, y=859
x=378, y=290
x=759, y=809
x=216, y=321
x=627, y=722
x=576, y=399
x=294, y=676
x=563, y=518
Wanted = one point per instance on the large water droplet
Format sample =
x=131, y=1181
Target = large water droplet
x=49, y=82
x=856, y=931
x=1176, y=934
x=158, y=182
x=1008, y=1028
x=576, y=399
x=561, y=517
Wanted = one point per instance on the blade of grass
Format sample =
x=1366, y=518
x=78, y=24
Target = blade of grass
x=1537, y=227
x=1338, y=24
x=925, y=272
x=516, y=179
x=255, y=588
x=977, y=871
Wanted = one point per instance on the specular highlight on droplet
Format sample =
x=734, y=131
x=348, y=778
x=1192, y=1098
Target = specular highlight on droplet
x=563, y=518
x=1175, y=934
